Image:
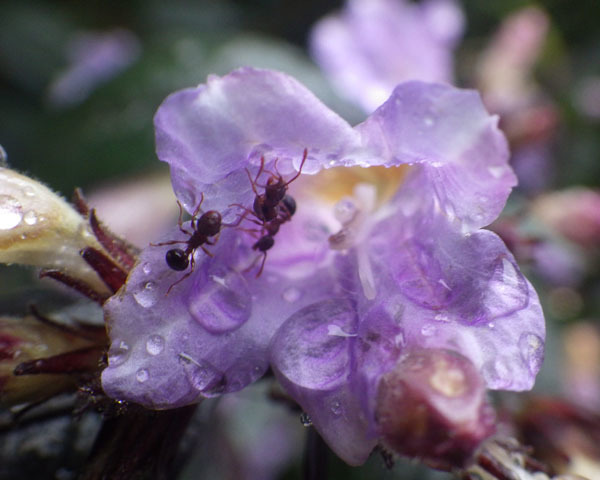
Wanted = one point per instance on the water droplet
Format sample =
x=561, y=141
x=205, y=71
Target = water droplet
x=146, y=295
x=10, y=212
x=141, y=375
x=118, y=353
x=202, y=376
x=507, y=290
x=292, y=294
x=146, y=268
x=155, y=344
x=428, y=330
x=336, y=408
x=305, y=419
x=531, y=347
x=428, y=121
x=491, y=325
x=222, y=306
x=30, y=218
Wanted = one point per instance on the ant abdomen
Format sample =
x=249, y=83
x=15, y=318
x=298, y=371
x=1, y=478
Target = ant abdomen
x=177, y=259
x=264, y=243
x=290, y=204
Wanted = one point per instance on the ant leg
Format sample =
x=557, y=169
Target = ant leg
x=213, y=242
x=260, y=170
x=192, y=264
x=180, y=221
x=199, y=205
x=207, y=251
x=304, y=155
x=262, y=265
x=172, y=242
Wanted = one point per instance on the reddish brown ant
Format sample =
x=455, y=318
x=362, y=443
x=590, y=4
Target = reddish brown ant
x=272, y=208
x=207, y=225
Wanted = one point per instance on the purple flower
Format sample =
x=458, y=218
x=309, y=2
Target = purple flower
x=373, y=45
x=377, y=265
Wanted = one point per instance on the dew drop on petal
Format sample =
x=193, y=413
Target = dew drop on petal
x=10, y=212
x=118, y=353
x=336, y=408
x=222, y=306
x=428, y=330
x=30, y=218
x=141, y=375
x=305, y=419
x=428, y=121
x=202, y=376
x=531, y=347
x=155, y=344
x=146, y=295
x=146, y=268
x=507, y=289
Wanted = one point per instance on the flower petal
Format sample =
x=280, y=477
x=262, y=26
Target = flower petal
x=209, y=134
x=209, y=334
x=373, y=45
x=460, y=155
x=463, y=293
x=311, y=355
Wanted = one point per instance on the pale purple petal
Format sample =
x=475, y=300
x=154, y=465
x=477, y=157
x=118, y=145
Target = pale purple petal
x=312, y=356
x=209, y=134
x=460, y=155
x=461, y=292
x=373, y=45
x=209, y=334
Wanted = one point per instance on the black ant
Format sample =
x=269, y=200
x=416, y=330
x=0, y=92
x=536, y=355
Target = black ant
x=207, y=225
x=272, y=208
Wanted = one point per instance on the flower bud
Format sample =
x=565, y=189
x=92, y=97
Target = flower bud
x=24, y=339
x=432, y=405
x=37, y=227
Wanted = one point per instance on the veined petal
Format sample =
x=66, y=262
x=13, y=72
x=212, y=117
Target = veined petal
x=209, y=334
x=460, y=156
x=312, y=357
x=209, y=134
x=463, y=293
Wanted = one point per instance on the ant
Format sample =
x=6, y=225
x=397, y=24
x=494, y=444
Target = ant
x=207, y=225
x=272, y=208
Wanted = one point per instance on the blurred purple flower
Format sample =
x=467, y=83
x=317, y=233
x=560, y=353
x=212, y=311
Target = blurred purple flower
x=373, y=45
x=94, y=59
x=356, y=283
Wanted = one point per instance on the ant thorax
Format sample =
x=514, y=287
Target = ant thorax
x=272, y=207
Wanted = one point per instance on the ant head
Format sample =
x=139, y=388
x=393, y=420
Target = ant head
x=275, y=189
x=209, y=223
x=177, y=259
